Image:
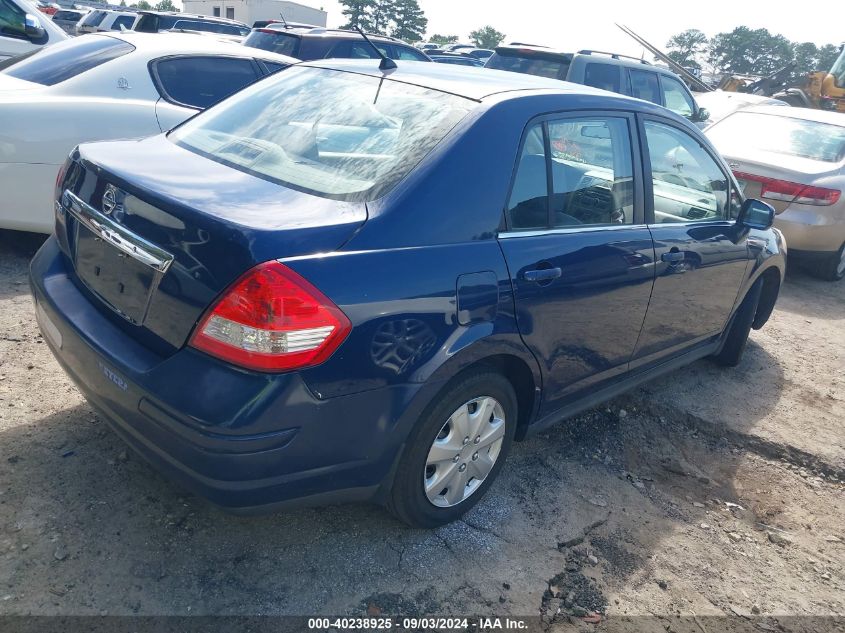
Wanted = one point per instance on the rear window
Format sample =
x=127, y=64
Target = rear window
x=94, y=18
x=274, y=42
x=67, y=15
x=530, y=64
x=779, y=135
x=338, y=135
x=57, y=63
x=603, y=76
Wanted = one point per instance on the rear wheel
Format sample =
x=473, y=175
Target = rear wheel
x=832, y=268
x=456, y=451
x=737, y=336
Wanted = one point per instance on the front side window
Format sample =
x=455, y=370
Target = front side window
x=676, y=97
x=689, y=185
x=644, y=86
x=592, y=172
x=356, y=49
x=200, y=82
x=604, y=76
x=64, y=60
x=406, y=52
x=12, y=20
x=330, y=133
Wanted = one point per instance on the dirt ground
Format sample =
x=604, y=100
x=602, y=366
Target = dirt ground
x=709, y=492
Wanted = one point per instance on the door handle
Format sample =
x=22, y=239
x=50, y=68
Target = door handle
x=542, y=274
x=672, y=257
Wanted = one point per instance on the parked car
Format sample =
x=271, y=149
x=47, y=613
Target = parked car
x=608, y=71
x=794, y=158
x=456, y=60
x=720, y=104
x=312, y=292
x=160, y=21
x=481, y=54
x=105, y=86
x=24, y=29
x=47, y=8
x=308, y=43
x=101, y=20
x=67, y=19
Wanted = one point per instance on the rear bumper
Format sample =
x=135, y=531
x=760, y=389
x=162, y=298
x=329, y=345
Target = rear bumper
x=243, y=440
x=812, y=229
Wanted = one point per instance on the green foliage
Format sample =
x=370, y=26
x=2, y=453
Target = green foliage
x=486, y=37
x=687, y=48
x=166, y=5
x=409, y=21
x=443, y=39
x=400, y=18
x=143, y=5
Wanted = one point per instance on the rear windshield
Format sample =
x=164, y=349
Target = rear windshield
x=780, y=135
x=67, y=15
x=57, y=63
x=529, y=64
x=274, y=41
x=334, y=134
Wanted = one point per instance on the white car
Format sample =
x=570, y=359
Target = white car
x=720, y=104
x=23, y=29
x=105, y=86
x=100, y=20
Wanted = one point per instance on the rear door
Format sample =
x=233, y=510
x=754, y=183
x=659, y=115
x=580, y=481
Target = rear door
x=701, y=259
x=579, y=253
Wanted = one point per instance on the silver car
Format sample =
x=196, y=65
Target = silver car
x=794, y=159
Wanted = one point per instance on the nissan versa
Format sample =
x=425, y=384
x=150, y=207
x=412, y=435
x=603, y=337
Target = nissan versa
x=344, y=283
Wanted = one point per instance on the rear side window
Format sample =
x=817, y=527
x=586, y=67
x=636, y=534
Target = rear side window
x=528, y=207
x=94, y=18
x=355, y=49
x=273, y=41
x=62, y=61
x=676, y=97
x=406, y=52
x=200, y=82
x=644, y=86
x=530, y=64
x=123, y=20
x=604, y=76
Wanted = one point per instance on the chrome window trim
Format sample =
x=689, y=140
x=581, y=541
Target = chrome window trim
x=504, y=235
x=116, y=235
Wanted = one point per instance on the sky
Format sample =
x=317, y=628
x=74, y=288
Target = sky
x=574, y=25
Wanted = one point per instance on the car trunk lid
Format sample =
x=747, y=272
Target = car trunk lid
x=154, y=232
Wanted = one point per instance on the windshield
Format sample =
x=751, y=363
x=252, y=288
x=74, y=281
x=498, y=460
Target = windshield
x=60, y=62
x=338, y=135
x=779, y=135
x=529, y=64
x=273, y=41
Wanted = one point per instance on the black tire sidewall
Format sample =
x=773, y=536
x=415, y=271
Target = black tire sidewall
x=408, y=500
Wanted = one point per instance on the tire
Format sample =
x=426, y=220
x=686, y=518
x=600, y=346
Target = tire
x=740, y=327
x=831, y=268
x=444, y=424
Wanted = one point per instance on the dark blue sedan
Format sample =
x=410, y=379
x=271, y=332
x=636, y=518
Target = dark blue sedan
x=343, y=284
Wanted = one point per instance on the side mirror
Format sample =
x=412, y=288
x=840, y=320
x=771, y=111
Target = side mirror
x=701, y=115
x=32, y=27
x=756, y=214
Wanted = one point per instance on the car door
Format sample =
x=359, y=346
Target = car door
x=189, y=83
x=701, y=258
x=577, y=248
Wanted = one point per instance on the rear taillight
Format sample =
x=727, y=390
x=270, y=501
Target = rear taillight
x=271, y=319
x=787, y=191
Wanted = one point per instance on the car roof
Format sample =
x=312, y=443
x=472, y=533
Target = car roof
x=475, y=83
x=180, y=43
x=194, y=16
x=601, y=57
x=320, y=31
x=806, y=114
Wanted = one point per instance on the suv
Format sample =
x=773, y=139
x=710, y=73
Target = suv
x=157, y=21
x=307, y=43
x=608, y=71
x=105, y=20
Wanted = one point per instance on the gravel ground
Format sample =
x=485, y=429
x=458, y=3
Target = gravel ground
x=710, y=492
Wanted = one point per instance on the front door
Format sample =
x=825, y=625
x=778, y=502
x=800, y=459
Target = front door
x=700, y=260
x=579, y=254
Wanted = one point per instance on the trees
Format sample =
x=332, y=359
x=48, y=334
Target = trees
x=443, y=39
x=409, y=21
x=486, y=37
x=143, y=5
x=401, y=18
x=688, y=48
x=166, y=5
